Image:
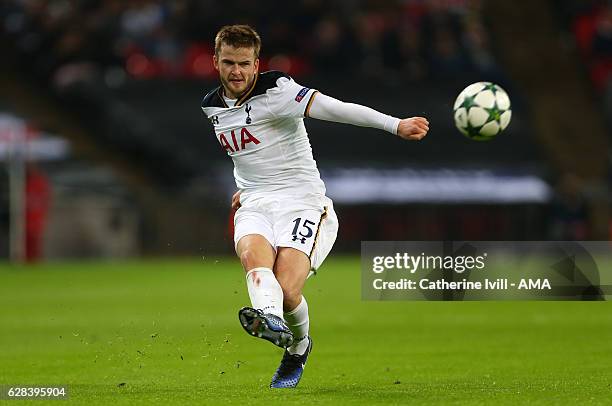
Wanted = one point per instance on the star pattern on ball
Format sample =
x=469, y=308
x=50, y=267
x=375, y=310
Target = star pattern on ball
x=471, y=131
x=494, y=113
x=492, y=87
x=468, y=102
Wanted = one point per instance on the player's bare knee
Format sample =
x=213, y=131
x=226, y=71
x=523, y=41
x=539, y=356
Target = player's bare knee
x=248, y=259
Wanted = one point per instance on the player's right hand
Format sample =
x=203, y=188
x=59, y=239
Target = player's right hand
x=413, y=128
x=236, y=200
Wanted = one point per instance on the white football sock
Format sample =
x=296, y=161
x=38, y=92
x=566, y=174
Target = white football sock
x=265, y=292
x=299, y=323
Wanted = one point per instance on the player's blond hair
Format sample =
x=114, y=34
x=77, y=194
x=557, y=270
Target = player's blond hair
x=238, y=36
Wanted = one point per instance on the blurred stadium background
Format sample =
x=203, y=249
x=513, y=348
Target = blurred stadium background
x=105, y=154
x=104, y=98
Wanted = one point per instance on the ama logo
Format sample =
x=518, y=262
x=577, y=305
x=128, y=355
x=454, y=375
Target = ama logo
x=237, y=145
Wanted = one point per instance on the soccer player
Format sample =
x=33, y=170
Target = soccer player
x=285, y=226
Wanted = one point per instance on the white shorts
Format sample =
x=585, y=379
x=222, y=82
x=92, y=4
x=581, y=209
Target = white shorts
x=306, y=224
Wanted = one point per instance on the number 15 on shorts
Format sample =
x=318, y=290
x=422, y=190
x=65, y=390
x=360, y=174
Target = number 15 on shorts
x=302, y=230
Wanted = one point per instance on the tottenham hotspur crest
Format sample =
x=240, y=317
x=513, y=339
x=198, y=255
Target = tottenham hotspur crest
x=247, y=108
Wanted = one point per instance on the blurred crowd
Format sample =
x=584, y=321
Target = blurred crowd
x=590, y=24
x=62, y=40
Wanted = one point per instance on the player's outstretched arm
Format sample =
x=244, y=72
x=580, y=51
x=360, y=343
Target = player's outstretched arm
x=327, y=108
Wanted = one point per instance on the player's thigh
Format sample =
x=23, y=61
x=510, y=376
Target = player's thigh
x=255, y=251
x=291, y=270
x=254, y=239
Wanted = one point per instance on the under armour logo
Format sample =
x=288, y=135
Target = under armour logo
x=248, y=111
x=302, y=239
x=214, y=120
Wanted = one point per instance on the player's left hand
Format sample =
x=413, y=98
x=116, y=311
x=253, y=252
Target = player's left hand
x=236, y=200
x=413, y=128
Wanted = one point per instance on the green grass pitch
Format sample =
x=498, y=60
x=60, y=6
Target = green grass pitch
x=166, y=332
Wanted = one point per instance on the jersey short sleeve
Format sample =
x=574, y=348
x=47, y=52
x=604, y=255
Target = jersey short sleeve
x=289, y=99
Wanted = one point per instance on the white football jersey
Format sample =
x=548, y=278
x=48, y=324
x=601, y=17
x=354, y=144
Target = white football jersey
x=265, y=136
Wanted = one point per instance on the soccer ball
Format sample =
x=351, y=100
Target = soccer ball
x=482, y=110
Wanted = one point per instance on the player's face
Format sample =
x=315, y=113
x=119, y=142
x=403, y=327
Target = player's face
x=237, y=69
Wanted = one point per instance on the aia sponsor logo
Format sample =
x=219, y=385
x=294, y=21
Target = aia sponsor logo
x=234, y=143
